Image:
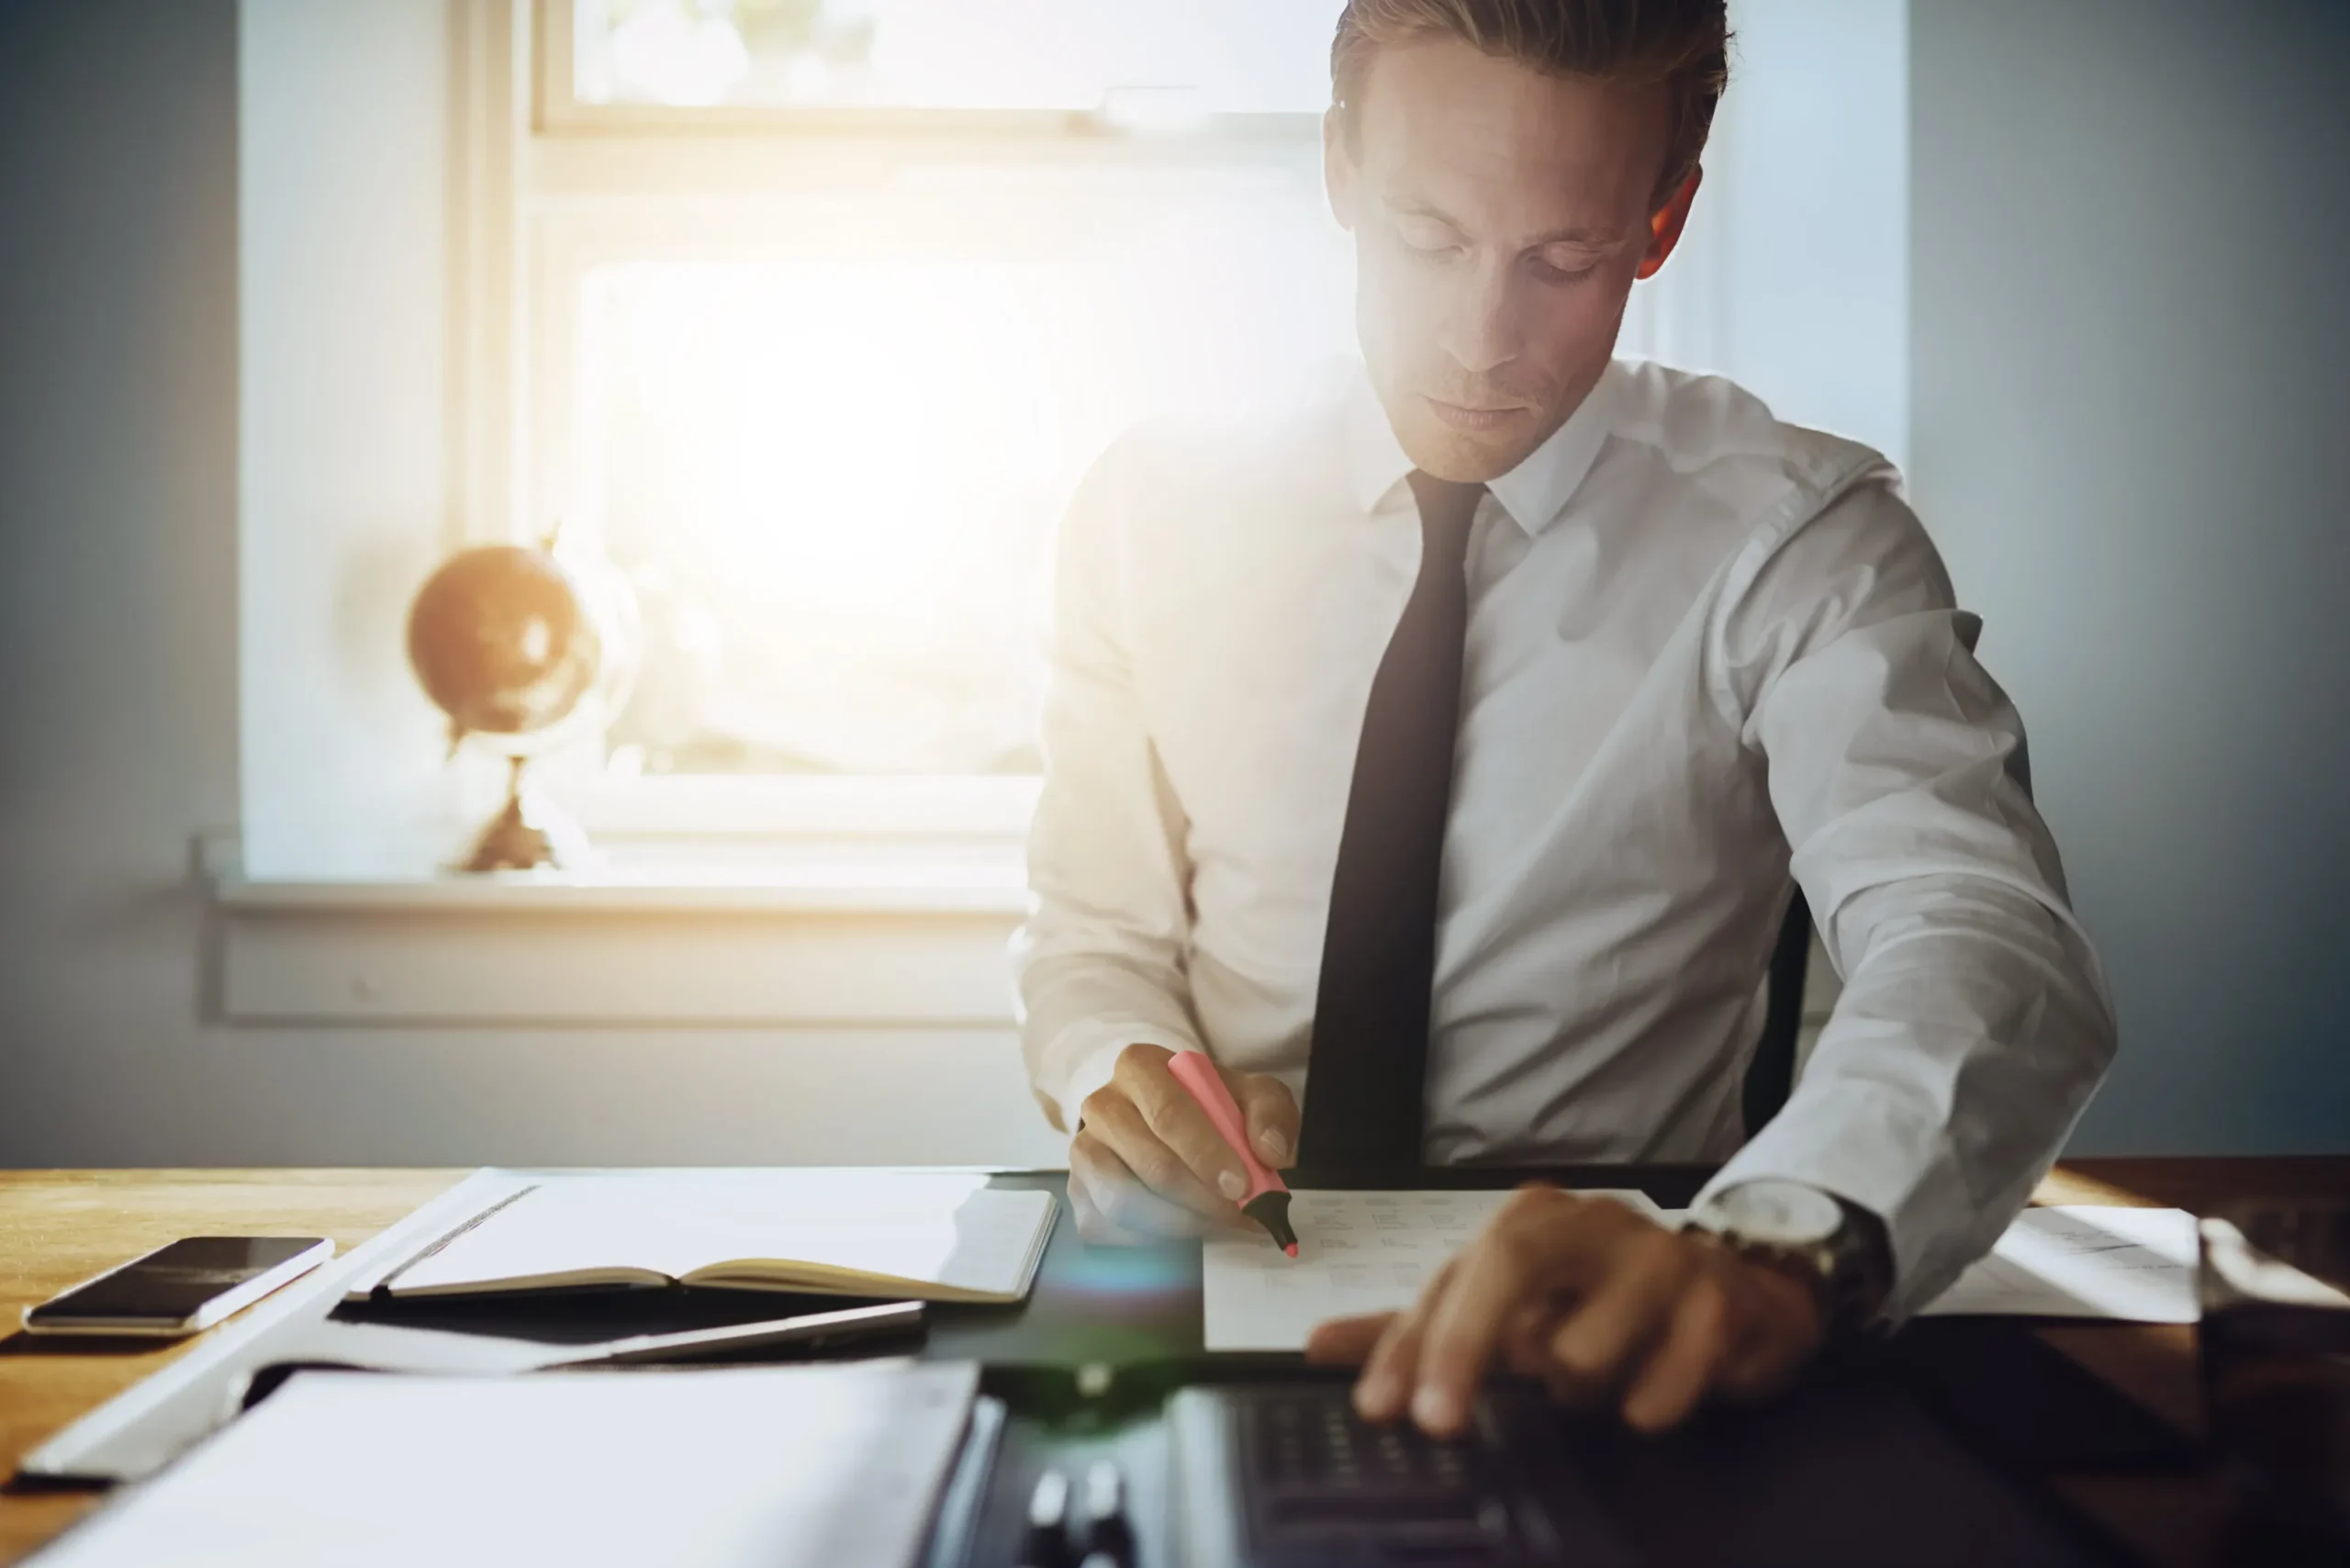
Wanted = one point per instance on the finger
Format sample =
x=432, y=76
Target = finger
x=1089, y=1181
x=1678, y=1374
x=1774, y=1326
x=1526, y=1338
x=1176, y=1121
x=1271, y=1112
x=1537, y=1241
x=1112, y=1119
x=1095, y=1231
x=1093, y=1227
x=1527, y=1351
x=1606, y=1339
x=1345, y=1341
x=1385, y=1386
x=1119, y=1199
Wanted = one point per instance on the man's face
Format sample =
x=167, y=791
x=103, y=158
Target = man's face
x=1500, y=216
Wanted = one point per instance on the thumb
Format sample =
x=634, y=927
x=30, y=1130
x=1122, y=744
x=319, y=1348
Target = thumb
x=1270, y=1114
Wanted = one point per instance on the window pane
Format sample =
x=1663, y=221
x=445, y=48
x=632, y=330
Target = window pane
x=834, y=477
x=1180, y=57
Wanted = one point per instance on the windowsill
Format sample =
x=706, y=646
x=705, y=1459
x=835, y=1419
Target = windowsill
x=908, y=935
x=643, y=889
x=977, y=877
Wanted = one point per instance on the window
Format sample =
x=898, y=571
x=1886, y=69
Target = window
x=1133, y=61
x=818, y=311
x=831, y=455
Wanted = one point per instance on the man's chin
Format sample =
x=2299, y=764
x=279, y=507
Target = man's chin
x=1468, y=456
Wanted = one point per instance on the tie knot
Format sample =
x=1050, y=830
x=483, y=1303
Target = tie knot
x=1446, y=506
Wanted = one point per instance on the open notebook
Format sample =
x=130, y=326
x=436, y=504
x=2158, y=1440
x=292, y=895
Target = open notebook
x=931, y=1237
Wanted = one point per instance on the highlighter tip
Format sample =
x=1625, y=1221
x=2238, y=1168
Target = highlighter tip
x=1271, y=1211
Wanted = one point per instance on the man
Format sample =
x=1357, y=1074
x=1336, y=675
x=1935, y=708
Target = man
x=1437, y=756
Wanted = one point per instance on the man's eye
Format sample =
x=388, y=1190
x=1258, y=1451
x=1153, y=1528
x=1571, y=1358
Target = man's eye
x=1552, y=272
x=1427, y=241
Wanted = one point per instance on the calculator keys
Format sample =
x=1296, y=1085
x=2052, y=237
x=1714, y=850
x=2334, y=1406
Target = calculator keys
x=1324, y=1442
x=1320, y=1473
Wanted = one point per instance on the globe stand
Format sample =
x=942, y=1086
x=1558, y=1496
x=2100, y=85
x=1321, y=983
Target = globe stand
x=530, y=831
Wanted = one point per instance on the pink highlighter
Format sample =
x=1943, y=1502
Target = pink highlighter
x=1267, y=1201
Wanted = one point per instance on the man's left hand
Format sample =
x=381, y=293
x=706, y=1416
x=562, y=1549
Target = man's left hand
x=1601, y=1302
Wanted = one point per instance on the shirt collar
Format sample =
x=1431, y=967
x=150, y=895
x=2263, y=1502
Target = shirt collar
x=1534, y=493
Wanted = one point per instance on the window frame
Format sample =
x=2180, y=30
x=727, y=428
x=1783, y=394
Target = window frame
x=547, y=187
x=559, y=111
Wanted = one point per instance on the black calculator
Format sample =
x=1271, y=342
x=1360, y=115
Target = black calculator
x=1286, y=1475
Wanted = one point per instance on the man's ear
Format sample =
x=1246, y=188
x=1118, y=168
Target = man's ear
x=1666, y=223
x=1339, y=171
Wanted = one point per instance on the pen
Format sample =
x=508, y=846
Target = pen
x=1267, y=1200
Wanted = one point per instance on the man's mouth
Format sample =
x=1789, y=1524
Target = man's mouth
x=1468, y=417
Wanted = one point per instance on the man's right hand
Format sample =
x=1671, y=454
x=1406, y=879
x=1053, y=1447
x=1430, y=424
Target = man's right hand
x=1147, y=1163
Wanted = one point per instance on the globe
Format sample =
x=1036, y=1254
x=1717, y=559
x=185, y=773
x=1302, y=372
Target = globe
x=514, y=643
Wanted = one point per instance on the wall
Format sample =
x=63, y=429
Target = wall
x=343, y=245
x=1806, y=186
x=2131, y=352
x=120, y=392
x=2132, y=372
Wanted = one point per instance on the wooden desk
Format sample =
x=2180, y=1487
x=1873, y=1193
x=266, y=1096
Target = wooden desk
x=59, y=1226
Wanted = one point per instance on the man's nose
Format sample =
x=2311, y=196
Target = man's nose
x=1480, y=330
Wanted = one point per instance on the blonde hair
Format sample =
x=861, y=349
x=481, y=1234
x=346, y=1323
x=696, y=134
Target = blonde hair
x=1683, y=44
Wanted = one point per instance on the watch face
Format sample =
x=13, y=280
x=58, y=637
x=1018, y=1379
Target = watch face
x=1778, y=1214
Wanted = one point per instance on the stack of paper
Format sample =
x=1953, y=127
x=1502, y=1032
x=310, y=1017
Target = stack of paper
x=823, y=1467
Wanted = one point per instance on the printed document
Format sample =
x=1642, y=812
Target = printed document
x=1364, y=1252
x=1357, y=1252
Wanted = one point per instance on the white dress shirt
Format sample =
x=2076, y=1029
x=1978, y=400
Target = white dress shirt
x=1706, y=650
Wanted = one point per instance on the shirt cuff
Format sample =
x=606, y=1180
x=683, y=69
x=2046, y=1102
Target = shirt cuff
x=1874, y=1157
x=1092, y=1049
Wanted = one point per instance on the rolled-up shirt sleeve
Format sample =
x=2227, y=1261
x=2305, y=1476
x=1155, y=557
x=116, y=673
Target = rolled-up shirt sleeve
x=1099, y=964
x=1974, y=1023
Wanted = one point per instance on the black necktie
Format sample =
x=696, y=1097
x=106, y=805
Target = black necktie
x=1366, y=1072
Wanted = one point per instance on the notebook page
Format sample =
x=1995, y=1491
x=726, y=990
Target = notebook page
x=826, y=1467
x=948, y=1230
x=1357, y=1252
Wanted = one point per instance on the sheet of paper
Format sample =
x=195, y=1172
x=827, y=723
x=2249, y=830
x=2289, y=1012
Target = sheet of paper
x=2126, y=1265
x=825, y=1467
x=953, y=1230
x=1357, y=1252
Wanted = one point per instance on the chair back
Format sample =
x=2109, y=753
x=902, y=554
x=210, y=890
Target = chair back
x=1770, y=1076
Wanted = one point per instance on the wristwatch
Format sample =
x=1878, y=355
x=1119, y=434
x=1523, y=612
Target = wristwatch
x=1836, y=1249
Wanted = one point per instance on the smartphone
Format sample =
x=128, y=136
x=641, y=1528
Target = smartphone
x=180, y=1288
